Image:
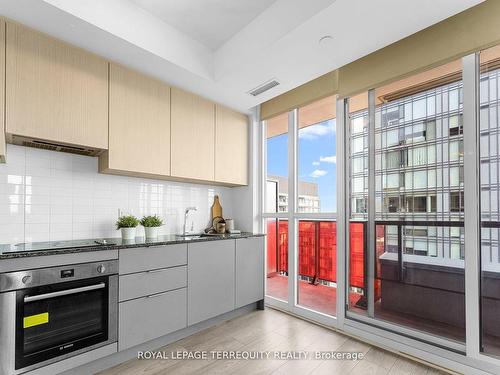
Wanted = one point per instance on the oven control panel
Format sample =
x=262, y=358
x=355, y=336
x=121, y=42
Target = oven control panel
x=52, y=275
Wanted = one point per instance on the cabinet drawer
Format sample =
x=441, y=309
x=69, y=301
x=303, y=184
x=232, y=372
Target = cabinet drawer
x=149, y=258
x=148, y=318
x=142, y=284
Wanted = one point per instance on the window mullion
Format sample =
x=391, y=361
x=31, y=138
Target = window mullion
x=371, y=204
x=292, y=204
x=472, y=210
x=342, y=215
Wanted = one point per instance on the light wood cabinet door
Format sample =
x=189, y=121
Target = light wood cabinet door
x=2, y=92
x=231, y=146
x=193, y=136
x=54, y=91
x=139, y=124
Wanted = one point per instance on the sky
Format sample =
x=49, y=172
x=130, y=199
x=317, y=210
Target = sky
x=317, y=160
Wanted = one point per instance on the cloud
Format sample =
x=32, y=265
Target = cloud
x=328, y=159
x=315, y=163
x=318, y=173
x=316, y=131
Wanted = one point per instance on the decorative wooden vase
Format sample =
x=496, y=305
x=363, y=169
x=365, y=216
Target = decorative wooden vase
x=216, y=208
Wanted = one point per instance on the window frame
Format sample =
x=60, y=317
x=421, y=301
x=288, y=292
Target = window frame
x=294, y=216
x=383, y=333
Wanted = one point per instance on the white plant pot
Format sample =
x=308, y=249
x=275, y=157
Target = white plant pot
x=151, y=232
x=128, y=233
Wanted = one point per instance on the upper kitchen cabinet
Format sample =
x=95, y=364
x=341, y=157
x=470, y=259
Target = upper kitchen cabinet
x=139, y=125
x=193, y=136
x=54, y=92
x=231, y=146
x=2, y=92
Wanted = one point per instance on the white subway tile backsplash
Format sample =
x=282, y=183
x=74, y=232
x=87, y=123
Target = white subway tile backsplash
x=12, y=233
x=12, y=218
x=46, y=195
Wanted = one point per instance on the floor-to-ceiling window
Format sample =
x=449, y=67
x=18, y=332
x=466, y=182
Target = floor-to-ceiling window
x=276, y=204
x=300, y=195
x=411, y=131
x=317, y=196
x=357, y=209
x=421, y=245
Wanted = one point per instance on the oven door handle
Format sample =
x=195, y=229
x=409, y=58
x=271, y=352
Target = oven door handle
x=63, y=292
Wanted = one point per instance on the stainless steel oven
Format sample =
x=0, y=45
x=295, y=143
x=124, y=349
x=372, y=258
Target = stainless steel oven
x=60, y=311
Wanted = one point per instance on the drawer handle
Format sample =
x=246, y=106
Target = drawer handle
x=156, y=295
x=155, y=271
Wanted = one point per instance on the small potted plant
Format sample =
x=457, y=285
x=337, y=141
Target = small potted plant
x=127, y=224
x=151, y=225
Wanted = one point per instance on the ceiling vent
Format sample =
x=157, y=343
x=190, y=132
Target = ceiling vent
x=264, y=87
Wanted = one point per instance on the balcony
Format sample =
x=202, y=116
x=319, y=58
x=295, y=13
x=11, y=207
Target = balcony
x=317, y=263
x=424, y=292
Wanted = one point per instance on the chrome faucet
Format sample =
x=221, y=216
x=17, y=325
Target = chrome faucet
x=185, y=219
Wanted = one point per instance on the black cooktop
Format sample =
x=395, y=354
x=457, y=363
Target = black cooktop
x=54, y=245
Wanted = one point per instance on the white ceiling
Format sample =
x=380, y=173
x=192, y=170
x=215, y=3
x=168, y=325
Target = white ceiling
x=211, y=22
x=221, y=49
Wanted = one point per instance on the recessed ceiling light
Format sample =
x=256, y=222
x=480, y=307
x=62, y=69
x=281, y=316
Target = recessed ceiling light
x=325, y=39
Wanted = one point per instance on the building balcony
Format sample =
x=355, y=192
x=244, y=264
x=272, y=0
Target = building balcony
x=421, y=292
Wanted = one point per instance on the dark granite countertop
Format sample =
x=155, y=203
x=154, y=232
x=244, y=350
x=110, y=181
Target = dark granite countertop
x=10, y=251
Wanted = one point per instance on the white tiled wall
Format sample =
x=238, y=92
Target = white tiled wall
x=47, y=195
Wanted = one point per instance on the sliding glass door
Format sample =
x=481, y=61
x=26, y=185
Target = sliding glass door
x=407, y=186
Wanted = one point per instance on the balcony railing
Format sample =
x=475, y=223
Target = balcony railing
x=317, y=250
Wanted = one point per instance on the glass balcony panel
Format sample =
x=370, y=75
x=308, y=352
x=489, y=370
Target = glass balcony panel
x=277, y=259
x=317, y=268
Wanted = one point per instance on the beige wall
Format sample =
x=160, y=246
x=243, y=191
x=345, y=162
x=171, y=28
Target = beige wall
x=310, y=114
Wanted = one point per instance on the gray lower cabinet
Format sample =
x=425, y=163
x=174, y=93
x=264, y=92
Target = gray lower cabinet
x=153, y=257
x=211, y=279
x=142, y=284
x=150, y=317
x=249, y=270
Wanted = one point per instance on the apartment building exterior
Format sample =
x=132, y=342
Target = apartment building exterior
x=308, y=197
x=418, y=170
